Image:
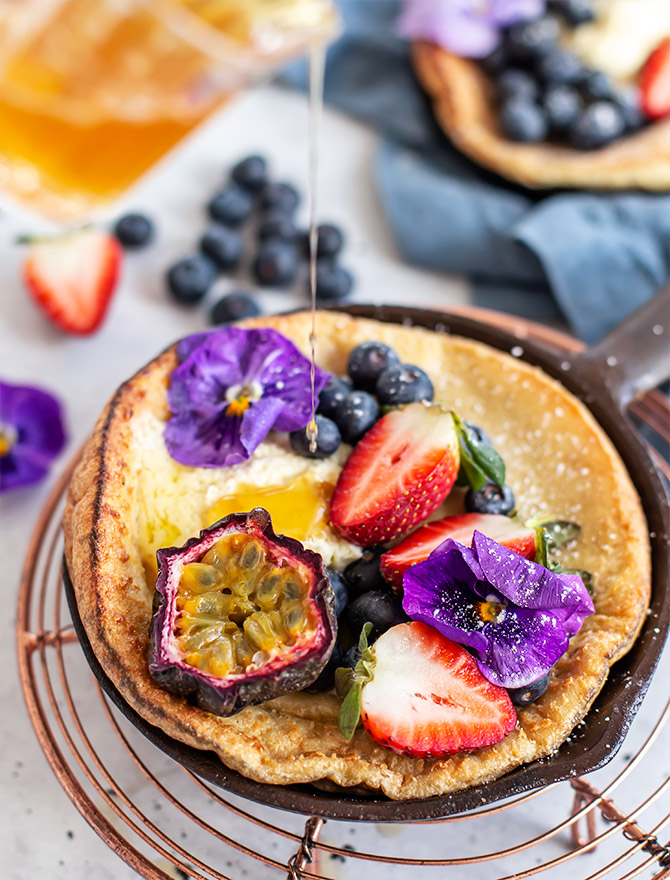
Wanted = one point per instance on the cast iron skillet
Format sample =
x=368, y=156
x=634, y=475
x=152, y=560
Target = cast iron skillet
x=632, y=360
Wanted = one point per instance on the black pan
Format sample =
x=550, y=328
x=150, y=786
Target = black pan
x=629, y=362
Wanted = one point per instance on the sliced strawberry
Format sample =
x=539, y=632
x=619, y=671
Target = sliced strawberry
x=72, y=277
x=655, y=82
x=397, y=475
x=427, y=697
x=419, y=545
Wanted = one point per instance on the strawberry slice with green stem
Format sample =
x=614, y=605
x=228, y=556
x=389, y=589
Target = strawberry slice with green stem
x=72, y=277
x=397, y=475
x=420, y=694
x=420, y=544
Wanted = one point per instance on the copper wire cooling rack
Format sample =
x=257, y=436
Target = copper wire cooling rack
x=166, y=823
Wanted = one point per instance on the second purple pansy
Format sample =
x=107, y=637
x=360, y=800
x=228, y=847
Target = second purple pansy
x=515, y=615
x=233, y=386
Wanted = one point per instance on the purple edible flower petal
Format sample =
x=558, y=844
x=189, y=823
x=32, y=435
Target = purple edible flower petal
x=31, y=434
x=470, y=28
x=233, y=386
x=515, y=615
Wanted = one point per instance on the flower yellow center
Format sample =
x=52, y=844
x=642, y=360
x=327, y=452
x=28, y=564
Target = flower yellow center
x=238, y=406
x=8, y=438
x=491, y=612
x=240, y=397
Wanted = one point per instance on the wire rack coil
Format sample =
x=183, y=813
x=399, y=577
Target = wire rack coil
x=166, y=823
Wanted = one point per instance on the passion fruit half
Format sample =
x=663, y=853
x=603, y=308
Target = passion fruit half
x=241, y=615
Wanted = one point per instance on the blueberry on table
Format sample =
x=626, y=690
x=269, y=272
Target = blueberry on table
x=530, y=39
x=574, y=12
x=477, y=434
x=333, y=282
x=403, y=383
x=276, y=264
x=524, y=696
x=560, y=67
x=277, y=225
x=233, y=307
x=134, y=231
x=598, y=125
x=231, y=205
x=339, y=590
x=251, y=173
x=365, y=574
x=280, y=197
x=326, y=679
x=522, y=120
x=562, y=105
x=381, y=608
x=189, y=279
x=327, y=441
x=516, y=83
x=333, y=394
x=490, y=499
x=367, y=361
x=223, y=245
x=357, y=413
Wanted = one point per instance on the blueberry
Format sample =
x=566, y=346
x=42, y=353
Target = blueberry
x=531, y=39
x=340, y=591
x=330, y=241
x=563, y=105
x=231, y=206
x=521, y=120
x=276, y=264
x=596, y=85
x=368, y=361
x=495, y=61
x=277, y=225
x=326, y=679
x=365, y=574
x=233, y=307
x=280, y=197
x=627, y=99
x=333, y=282
x=333, y=395
x=351, y=657
x=189, y=279
x=599, y=124
x=134, y=230
x=477, y=435
x=560, y=67
x=514, y=83
x=574, y=12
x=251, y=173
x=403, y=383
x=222, y=245
x=356, y=415
x=490, y=499
x=328, y=439
x=524, y=696
x=381, y=608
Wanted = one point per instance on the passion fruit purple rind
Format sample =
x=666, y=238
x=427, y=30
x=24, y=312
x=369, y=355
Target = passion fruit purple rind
x=241, y=615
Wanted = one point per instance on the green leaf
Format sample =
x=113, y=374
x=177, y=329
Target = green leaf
x=350, y=712
x=560, y=531
x=586, y=577
x=479, y=463
x=490, y=462
x=344, y=679
x=541, y=548
x=351, y=683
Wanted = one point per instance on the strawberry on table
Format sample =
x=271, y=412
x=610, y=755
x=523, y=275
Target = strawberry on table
x=72, y=277
x=420, y=694
x=655, y=82
x=419, y=545
x=397, y=475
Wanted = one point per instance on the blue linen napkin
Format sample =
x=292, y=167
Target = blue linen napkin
x=600, y=255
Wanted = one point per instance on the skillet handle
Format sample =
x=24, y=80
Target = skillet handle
x=635, y=356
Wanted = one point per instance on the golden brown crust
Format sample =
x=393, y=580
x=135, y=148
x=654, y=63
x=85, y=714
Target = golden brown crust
x=556, y=456
x=461, y=94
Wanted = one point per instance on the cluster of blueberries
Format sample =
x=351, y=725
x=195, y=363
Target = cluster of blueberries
x=282, y=248
x=546, y=92
x=349, y=407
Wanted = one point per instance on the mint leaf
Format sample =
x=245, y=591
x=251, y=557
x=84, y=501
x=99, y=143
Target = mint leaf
x=560, y=531
x=479, y=463
x=586, y=576
x=541, y=548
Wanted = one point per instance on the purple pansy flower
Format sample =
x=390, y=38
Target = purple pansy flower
x=31, y=434
x=232, y=386
x=470, y=28
x=515, y=615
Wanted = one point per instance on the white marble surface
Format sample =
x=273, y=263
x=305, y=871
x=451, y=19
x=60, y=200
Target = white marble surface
x=41, y=833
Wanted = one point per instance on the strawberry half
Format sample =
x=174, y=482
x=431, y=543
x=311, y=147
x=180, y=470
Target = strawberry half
x=655, y=82
x=397, y=475
x=427, y=697
x=72, y=277
x=419, y=545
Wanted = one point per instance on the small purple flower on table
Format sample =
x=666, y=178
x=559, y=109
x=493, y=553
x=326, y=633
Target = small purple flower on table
x=31, y=435
x=516, y=616
x=233, y=386
x=470, y=28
